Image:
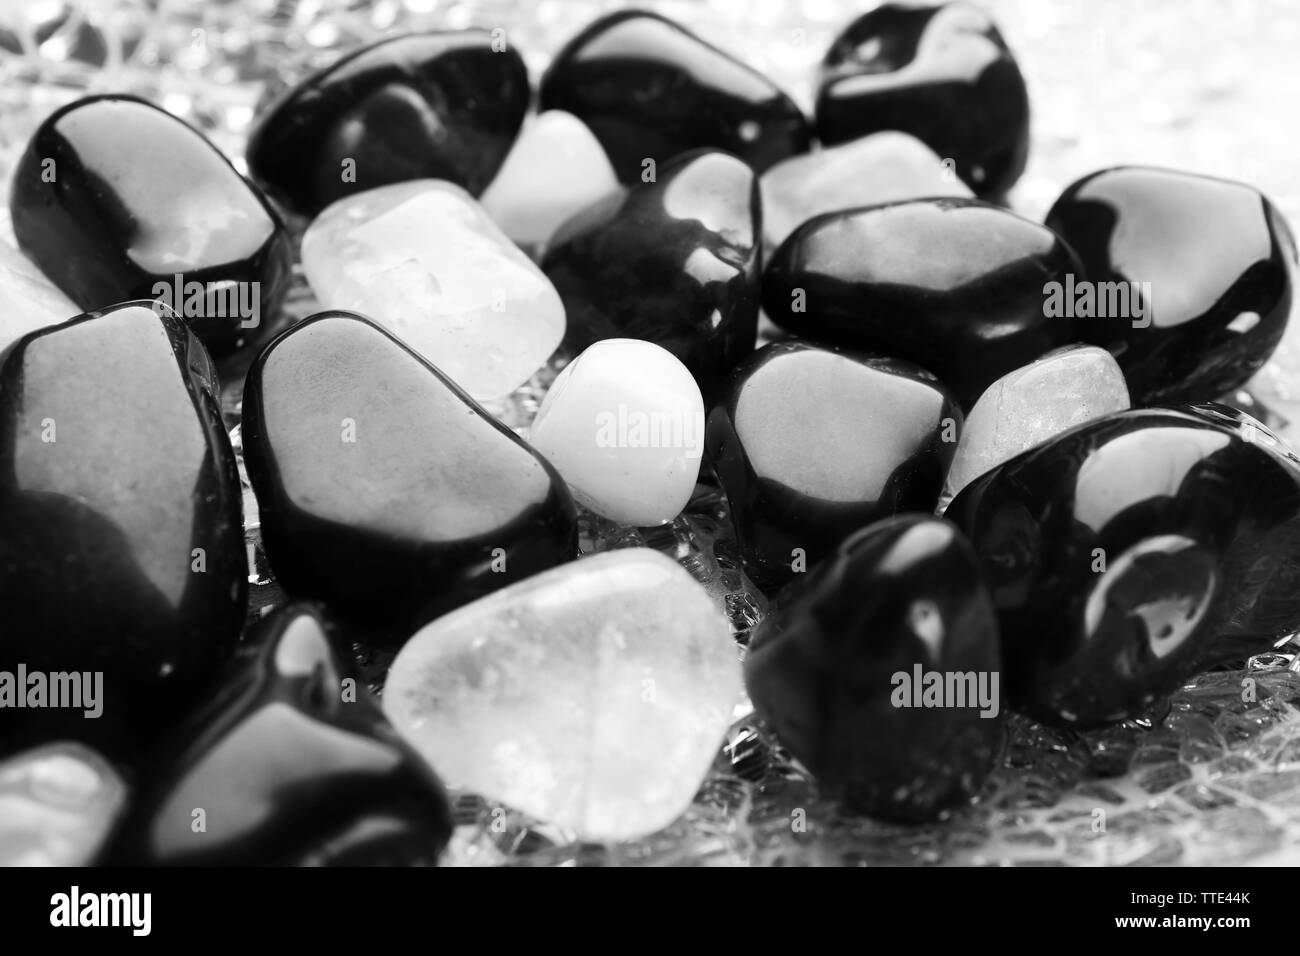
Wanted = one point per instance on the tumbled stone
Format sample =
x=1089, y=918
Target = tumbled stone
x=556, y=169
x=121, y=537
x=58, y=803
x=954, y=285
x=425, y=261
x=881, y=168
x=442, y=105
x=941, y=72
x=384, y=490
x=675, y=262
x=811, y=444
x=115, y=199
x=593, y=696
x=290, y=762
x=1132, y=552
x=623, y=424
x=1191, y=278
x=650, y=89
x=879, y=670
x=1062, y=389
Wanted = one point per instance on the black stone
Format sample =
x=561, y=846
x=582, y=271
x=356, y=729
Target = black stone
x=1220, y=263
x=940, y=72
x=121, y=536
x=440, y=105
x=843, y=670
x=674, y=262
x=114, y=197
x=291, y=763
x=1132, y=552
x=955, y=285
x=385, y=491
x=811, y=444
x=650, y=89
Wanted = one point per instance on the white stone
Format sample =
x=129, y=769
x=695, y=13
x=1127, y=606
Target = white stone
x=28, y=300
x=556, y=168
x=593, y=696
x=424, y=260
x=880, y=168
x=1033, y=403
x=623, y=424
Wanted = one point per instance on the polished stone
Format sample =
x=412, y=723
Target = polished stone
x=462, y=294
x=442, y=105
x=624, y=426
x=811, y=444
x=115, y=199
x=879, y=670
x=1131, y=553
x=941, y=72
x=121, y=537
x=289, y=763
x=650, y=89
x=1203, y=273
x=954, y=285
x=676, y=263
x=384, y=490
x=593, y=696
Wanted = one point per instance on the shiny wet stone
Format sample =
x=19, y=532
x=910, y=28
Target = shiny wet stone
x=115, y=199
x=593, y=696
x=58, y=804
x=942, y=73
x=440, y=105
x=384, y=490
x=1131, y=553
x=289, y=763
x=121, y=539
x=811, y=444
x=650, y=89
x=954, y=285
x=879, y=670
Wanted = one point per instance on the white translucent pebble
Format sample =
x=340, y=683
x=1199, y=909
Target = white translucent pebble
x=1033, y=403
x=593, y=696
x=880, y=168
x=556, y=168
x=58, y=803
x=624, y=426
x=28, y=300
x=424, y=260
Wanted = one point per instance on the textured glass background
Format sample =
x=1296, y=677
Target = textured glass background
x=1204, y=85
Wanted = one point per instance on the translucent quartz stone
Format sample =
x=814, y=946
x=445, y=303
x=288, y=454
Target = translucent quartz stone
x=880, y=168
x=593, y=696
x=57, y=804
x=425, y=261
x=556, y=168
x=1064, y=388
x=624, y=425
x=28, y=300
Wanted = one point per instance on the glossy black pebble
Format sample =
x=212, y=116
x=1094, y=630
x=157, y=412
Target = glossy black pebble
x=675, y=262
x=289, y=763
x=440, y=105
x=955, y=285
x=940, y=72
x=1132, y=552
x=811, y=444
x=121, y=536
x=879, y=670
x=385, y=491
x=1214, y=265
x=114, y=197
x=650, y=89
